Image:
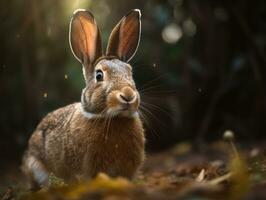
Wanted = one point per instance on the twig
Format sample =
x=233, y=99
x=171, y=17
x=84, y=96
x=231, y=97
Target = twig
x=220, y=179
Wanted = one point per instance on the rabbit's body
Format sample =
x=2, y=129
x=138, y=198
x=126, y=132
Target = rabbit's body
x=103, y=133
x=71, y=146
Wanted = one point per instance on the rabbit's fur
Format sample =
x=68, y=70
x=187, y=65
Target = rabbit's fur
x=103, y=133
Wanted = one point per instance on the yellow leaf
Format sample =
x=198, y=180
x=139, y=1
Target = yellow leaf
x=240, y=178
x=74, y=192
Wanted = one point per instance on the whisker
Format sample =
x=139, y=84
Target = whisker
x=153, y=80
x=152, y=115
x=158, y=92
x=97, y=120
x=150, y=88
x=147, y=123
x=156, y=108
x=108, y=125
x=105, y=129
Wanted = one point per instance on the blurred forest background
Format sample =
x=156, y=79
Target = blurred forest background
x=201, y=67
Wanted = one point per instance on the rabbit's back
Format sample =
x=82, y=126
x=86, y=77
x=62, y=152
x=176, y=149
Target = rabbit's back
x=47, y=141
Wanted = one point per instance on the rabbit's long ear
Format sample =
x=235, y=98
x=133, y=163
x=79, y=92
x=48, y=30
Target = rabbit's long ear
x=85, y=38
x=124, y=39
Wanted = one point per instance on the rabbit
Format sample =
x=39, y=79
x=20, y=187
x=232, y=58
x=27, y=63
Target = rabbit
x=103, y=132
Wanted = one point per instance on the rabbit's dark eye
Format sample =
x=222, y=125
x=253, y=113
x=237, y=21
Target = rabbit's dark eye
x=99, y=75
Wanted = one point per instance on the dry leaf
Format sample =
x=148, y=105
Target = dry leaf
x=201, y=176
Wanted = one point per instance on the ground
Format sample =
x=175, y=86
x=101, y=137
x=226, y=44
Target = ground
x=220, y=171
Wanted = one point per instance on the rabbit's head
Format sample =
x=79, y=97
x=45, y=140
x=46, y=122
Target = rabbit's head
x=110, y=88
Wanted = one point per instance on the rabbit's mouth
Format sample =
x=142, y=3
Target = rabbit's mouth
x=127, y=110
x=124, y=111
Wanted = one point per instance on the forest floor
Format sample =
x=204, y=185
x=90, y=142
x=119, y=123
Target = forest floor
x=221, y=171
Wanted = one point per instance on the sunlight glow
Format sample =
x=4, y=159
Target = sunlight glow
x=71, y=6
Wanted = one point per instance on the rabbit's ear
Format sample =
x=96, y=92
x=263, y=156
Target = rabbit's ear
x=85, y=38
x=124, y=39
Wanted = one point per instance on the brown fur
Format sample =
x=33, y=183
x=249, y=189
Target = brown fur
x=69, y=142
x=77, y=147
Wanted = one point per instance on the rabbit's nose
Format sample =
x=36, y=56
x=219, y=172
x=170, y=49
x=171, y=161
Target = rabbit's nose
x=124, y=98
x=127, y=96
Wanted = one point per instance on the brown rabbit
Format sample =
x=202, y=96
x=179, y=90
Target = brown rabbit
x=104, y=132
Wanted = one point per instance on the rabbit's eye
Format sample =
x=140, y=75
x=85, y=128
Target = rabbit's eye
x=99, y=75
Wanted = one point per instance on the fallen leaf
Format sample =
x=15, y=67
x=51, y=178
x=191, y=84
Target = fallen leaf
x=201, y=176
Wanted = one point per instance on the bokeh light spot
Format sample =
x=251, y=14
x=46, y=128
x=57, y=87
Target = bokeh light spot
x=172, y=33
x=189, y=27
